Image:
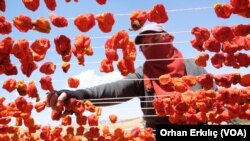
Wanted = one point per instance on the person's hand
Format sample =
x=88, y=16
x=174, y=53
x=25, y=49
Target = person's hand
x=56, y=99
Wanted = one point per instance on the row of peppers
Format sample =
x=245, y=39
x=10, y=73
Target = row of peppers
x=179, y=84
x=84, y=22
x=21, y=110
x=238, y=7
x=226, y=42
x=36, y=52
x=33, y=5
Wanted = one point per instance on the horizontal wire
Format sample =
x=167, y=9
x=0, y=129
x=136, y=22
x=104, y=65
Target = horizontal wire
x=130, y=35
x=111, y=98
x=115, y=102
x=148, y=60
x=165, y=43
x=171, y=10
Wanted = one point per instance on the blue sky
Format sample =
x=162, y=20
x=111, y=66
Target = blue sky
x=179, y=20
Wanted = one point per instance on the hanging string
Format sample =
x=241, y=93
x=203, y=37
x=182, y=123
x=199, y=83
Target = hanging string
x=171, y=10
x=131, y=35
x=148, y=60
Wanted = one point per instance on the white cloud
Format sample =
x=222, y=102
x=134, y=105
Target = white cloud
x=90, y=78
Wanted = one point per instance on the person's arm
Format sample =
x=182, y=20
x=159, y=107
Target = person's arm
x=130, y=86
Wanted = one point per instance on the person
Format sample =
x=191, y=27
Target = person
x=161, y=58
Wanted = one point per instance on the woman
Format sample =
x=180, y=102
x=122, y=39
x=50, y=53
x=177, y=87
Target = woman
x=161, y=58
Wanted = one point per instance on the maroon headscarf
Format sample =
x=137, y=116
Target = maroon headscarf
x=154, y=69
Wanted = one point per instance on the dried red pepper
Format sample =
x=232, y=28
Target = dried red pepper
x=31, y=4
x=23, y=23
x=105, y=21
x=223, y=10
x=113, y=118
x=85, y=22
x=101, y=2
x=137, y=19
x=222, y=33
x=9, y=85
x=2, y=5
x=106, y=66
x=39, y=106
x=58, y=21
x=48, y=68
x=158, y=14
x=65, y=66
x=73, y=82
x=41, y=25
x=46, y=83
x=6, y=27
x=201, y=59
x=50, y=4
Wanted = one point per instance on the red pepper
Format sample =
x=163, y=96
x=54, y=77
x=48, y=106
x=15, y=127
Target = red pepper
x=223, y=10
x=21, y=88
x=39, y=48
x=158, y=14
x=2, y=5
x=85, y=22
x=137, y=19
x=101, y=2
x=222, y=33
x=80, y=130
x=190, y=80
x=56, y=133
x=129, y=53
x=217, y=60
x=39, y=106
x=212, y=45
x=106, y=66
x=58, y=21
x=9, y=85
x=48, y=68
x=81, y=120
x=6, y=27
x=31, y=4
x=32, y=90
x=46, y=83
x=66, y=120
x=5, y=120
x=45, y=133
x=201, y=59
x=179, y=85
x=201, y=33
x=206, y=80
x=93, y=120
x=126, y=67
x=63, y=47
x=113, y=118
x=239, y=5
x=79, y=107
x=23, y=23
x=65, y=66
x=51, y=4
x=105, y=21
x=41, y=25
x=241, y=29
x=56, y=115
x=224, y=80
x=245, y=80
x=159, y=107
